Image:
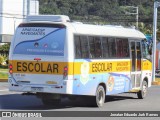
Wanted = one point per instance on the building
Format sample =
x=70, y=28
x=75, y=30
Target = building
x=12, y=13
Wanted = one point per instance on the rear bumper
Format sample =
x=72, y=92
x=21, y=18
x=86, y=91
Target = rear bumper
x=68, y=86
x=64, y=88
x=37, y=88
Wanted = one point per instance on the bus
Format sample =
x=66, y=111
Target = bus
x=53, y=57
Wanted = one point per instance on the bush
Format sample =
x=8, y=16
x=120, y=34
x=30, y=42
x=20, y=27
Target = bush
x=1, y=60
x=4, y=66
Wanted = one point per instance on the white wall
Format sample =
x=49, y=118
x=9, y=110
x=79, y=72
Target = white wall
x=0, y=17
x=12, y=13
x=12, y=7
x=20, y=7
x=34, y=7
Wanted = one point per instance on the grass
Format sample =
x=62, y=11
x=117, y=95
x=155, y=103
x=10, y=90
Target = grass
x=3, y=73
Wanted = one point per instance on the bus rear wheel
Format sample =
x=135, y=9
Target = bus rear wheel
x=100, y=96
x=143, y=92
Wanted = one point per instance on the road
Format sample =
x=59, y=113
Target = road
x=120, y=102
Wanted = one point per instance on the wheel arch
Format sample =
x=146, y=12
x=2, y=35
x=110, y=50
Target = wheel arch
x=104, y=86
x=146, y=79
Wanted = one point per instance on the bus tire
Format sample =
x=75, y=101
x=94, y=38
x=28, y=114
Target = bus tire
x=50, y=102
x=100, y=96
x=143, y=92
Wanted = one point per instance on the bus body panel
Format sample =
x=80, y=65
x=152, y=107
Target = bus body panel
x=88, y=74
x=38, y=55
x=43, y=70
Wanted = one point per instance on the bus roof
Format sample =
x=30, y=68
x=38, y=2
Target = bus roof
x=105, y=30
x=88, y=29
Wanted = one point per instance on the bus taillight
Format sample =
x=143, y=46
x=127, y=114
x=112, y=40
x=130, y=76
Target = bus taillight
x=10, y=69
x=65, y=72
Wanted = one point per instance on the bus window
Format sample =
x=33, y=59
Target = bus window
x=95, y=47
x=81, y=47
x=45, y=39
x=133, y=54
x=145, y=50
x=105, y=47
x=125, y=48
x=138, y=49
x=92, y=47
x=98, y=49
x=112, y=47
x=78, y=53
x=84, y=48
x=122, y=48
x=119, y=48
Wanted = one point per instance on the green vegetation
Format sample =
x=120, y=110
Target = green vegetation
x=3, y=73
x=114, y=12
x=103, y=11
x=4, y=50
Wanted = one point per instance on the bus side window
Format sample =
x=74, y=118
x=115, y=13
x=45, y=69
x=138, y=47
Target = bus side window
x=122, y=48
x=145, y=50
x=119, y=47
x=77, y=47
x=105, y=47
x=138, y=52
x=112, y=47
x=125, y=48
x=91, y=46
x=95, y=47
x=84, y=46
x=98, y=48
x=81, y=46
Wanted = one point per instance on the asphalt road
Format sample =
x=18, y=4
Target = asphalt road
x=120, y=102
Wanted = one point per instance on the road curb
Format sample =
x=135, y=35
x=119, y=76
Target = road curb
x=4, y=80
x=155, y=83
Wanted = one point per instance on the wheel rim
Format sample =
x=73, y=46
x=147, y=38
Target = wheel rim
x=144, y=90
x=100, y=98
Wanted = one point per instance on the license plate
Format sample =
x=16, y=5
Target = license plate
x=37, y=89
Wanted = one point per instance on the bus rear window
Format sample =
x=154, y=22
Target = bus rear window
x=40, y=39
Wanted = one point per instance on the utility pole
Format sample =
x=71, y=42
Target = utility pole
x=136, y=17
x=156, y=5
x=133, y=13
x=28, y=7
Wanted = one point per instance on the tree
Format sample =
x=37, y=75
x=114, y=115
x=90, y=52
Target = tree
x=103, y=11
x=4, y=49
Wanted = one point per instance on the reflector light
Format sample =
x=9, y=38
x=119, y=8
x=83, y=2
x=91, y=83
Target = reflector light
x=10, y=71
x=65, y=73
x=37, y=59
x=65, y=69
x=10, y=66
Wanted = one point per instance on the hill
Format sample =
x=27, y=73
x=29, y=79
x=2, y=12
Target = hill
x=104, y=11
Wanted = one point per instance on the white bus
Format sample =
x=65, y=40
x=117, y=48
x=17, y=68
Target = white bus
x=52, y=57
